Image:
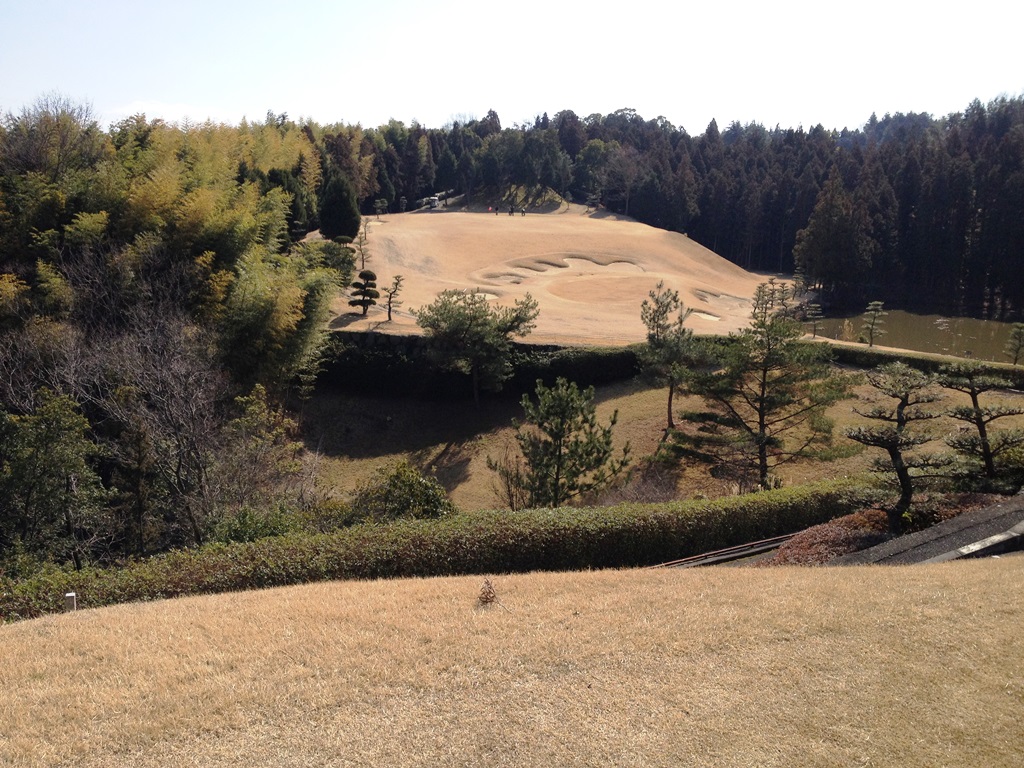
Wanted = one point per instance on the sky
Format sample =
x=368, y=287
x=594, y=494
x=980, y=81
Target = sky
x=791, y=63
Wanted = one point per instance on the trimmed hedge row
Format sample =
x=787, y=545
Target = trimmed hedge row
x=862, y=356
x=378, y=363
x=483, y=542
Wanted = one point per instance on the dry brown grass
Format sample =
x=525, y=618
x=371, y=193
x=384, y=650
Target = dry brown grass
x=452, y=441
x=916, y=666
x=588, y=271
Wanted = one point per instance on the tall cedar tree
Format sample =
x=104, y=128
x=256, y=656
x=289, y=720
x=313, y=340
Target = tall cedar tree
x=339, y=210
x=767, y=393
x=832, y=250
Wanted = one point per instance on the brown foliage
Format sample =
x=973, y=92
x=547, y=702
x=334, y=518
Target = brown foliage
x=821, y=543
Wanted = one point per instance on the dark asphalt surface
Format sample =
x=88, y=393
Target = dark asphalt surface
x=945, y=537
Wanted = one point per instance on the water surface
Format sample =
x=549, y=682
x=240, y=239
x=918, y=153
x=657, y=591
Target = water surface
x=960, y=336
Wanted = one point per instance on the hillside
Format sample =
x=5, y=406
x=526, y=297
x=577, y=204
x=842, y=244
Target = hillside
x=589, y=272
x=912, y=666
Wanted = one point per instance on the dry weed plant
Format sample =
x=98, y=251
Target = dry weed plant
x=488, y=596
x=649, y=483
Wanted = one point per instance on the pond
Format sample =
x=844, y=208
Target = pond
x=960, y=336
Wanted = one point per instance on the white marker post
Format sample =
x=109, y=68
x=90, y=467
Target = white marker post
x=70, y=602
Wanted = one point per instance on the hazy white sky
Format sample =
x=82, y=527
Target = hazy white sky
x=787, y=62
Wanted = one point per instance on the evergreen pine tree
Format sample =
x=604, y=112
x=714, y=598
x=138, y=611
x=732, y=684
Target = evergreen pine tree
x=873, y=320
x=1014, y=348
x=912, y=390
x=767, y=393
x=566, y=452
x=365, y=291
x=813, y=316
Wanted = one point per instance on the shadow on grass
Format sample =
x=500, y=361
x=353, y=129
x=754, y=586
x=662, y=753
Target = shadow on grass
x=449, y=465
x=345, y=320
x=355, y=426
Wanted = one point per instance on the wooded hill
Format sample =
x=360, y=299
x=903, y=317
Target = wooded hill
x=159, y=298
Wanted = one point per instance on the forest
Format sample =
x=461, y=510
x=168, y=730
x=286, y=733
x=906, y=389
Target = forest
x=920, y=212
x=160, y=300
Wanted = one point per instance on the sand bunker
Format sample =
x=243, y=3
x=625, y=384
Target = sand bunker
x=631, y=290
x=589, y=275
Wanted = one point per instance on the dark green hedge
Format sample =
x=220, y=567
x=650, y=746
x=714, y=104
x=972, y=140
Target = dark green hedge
x=586, y=366
x=386, y=364
x=484, y=542
x=863, y=356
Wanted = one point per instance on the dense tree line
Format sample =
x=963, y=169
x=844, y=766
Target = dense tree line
x=907, y=200
x=157, y=306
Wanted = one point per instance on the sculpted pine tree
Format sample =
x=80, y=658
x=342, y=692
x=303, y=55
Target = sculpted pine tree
x=669, y=344
x=1014, y=348
x=813, y=316
x=799, y=283
x=767, y=393
x=566, y=452
x=470, y=336
x=873, y=320
x=983, y=445
x=392, y=293
x=364, y=291
x=912, y=390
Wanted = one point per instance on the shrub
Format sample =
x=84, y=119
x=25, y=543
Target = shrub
x=328, y=515
x=401, y=492
x=252, y=524
x=487, y=542
x=843, y=535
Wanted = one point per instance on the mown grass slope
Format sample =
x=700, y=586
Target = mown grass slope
x=918, y=666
